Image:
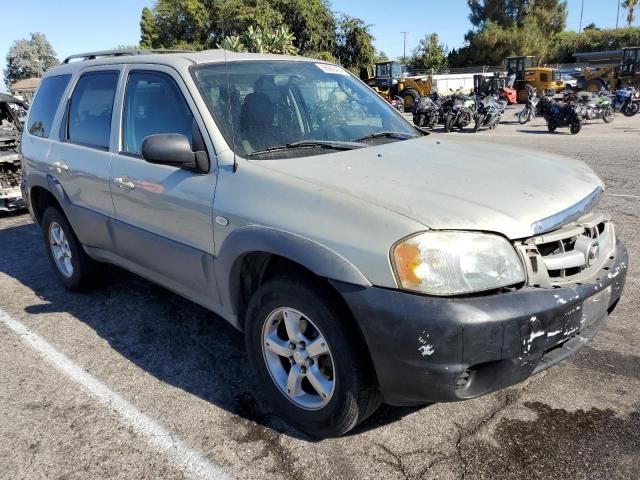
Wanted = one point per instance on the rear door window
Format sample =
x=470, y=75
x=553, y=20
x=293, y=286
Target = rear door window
x=90, y=108
x=153, y=105
x=45, y=104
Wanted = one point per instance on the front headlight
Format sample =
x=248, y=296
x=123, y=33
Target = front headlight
x=448, y=263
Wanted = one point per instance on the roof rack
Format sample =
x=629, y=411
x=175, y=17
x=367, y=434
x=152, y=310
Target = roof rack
x=118, y=53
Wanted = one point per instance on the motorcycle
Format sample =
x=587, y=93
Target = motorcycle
x=592, y=106
x=627, y=101
x=560, y=115
x=529, y=112
x=460, y=111
x=489, y=112
x=397, y=103
x=426, y=112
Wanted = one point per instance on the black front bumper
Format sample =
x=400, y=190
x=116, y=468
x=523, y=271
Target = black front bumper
x=433, y=349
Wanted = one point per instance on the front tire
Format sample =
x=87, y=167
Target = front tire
x=523, y=116
x=576, y=126
x=478, y=124
x=551, y=126
x=608, y=115
x=308, y=359
x=448, y=123
x=75, y=269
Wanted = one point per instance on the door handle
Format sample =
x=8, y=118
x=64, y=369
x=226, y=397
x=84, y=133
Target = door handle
x=61, y=166
x=124, y=183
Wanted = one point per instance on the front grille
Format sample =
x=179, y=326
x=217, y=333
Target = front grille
x=575, y=253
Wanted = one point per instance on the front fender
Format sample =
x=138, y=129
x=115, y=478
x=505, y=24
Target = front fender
x=315, y=257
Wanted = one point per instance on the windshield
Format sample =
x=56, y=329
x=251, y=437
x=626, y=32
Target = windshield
x=262, y=105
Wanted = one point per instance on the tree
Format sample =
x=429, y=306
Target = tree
x=354, y=44
x=149, y=37
x=430, y=54
x=29, y=58
x=510, y=27
x=591, y=26
x=380, y=57
x=256, y=40
x=630, y=5
x=311, y=22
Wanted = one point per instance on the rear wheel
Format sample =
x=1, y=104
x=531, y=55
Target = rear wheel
x=75, y=269
x=551, y=126
x=630, y=109
x=309, y=361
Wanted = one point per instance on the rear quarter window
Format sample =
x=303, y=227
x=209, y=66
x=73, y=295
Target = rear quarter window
x=46, y=104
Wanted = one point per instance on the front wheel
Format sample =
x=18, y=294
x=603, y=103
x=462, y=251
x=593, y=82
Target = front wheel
x=308, y=358
x=479, y=122
x=448, y=123
x=608, y=116
x=551, y=126
x=524, y=116
x=576, y=126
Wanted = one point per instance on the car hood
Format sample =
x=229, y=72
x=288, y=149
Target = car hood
x=453, y=184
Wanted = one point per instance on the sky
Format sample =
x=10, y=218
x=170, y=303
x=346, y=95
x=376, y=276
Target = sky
x=76, y=26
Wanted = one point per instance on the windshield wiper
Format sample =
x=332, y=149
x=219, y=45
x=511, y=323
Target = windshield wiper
x=333, y=144
x=386, y=134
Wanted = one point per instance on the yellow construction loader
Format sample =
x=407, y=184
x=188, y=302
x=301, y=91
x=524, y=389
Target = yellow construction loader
x=390, y=82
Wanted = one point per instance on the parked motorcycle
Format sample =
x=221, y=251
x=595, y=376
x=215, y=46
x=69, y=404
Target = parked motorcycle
x=397, y=103
x=460, y=111
x=489, y=112
x=627, y=101
x=560, y=115
x=426, y=112
x=591, y=106
x=530, y=110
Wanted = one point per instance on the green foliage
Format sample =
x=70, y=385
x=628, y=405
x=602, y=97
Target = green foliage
x=149, y=37
x=311, y=22
x=354, y=44
x=29, y=58
x=565, y=44
x=380, y=57
x=258, y=41
x=510, y=27
x=430, y=54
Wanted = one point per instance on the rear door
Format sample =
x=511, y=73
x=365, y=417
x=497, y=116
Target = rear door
x=80, y=160
x=164, y=214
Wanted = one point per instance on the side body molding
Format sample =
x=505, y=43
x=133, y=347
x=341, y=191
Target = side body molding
x=321, y=260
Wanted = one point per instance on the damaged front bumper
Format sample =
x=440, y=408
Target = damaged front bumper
x=430, y=349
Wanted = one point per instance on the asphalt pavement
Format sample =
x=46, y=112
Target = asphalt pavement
x=133, y=381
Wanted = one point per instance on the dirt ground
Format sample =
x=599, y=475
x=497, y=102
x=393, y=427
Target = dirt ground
x=184, y=374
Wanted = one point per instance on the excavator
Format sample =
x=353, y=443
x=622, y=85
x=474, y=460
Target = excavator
x=391, y=82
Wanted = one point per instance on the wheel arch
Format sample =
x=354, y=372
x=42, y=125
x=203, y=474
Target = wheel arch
x=249, y=252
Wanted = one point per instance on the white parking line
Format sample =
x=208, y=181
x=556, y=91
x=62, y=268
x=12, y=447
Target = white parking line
x=180, y=453
x=621, y=195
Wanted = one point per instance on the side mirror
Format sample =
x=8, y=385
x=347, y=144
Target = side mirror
x=168, y=149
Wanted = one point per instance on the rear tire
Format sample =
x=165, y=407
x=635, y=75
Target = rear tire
x=551, y=126
x=353, y=394
x=630, y=109
x=75, y=269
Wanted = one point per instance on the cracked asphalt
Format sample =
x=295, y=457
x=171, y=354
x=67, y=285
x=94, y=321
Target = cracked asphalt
x=186, y=369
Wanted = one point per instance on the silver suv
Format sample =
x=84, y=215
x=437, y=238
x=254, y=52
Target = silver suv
x=364, y=261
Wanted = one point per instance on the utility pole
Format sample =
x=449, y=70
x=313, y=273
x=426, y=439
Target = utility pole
x=581, y=11
x=404, y=48
x=618, y=14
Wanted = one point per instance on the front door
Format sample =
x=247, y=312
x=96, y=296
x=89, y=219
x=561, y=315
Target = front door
x=164, y=214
